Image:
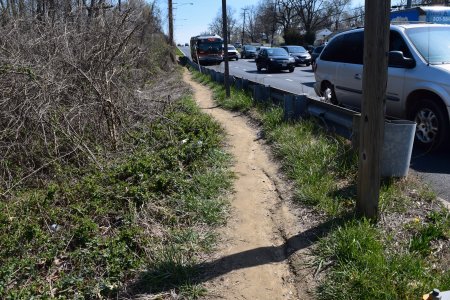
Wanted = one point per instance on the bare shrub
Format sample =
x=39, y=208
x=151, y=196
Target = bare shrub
x=69, y=89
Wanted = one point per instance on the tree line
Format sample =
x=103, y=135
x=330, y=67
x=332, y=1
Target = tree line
x=295, y=20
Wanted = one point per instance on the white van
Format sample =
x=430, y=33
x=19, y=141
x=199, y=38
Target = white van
x=418, y=85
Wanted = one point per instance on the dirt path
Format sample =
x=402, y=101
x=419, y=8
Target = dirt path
x=252, y=261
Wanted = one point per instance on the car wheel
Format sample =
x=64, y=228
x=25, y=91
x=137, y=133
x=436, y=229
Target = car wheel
x=291, y=69
x=328, y=93
x=237, y=58
x=258, y=68
x=432, y=129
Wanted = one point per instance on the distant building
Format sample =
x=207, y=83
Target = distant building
x=322, y=36
x=430, y=14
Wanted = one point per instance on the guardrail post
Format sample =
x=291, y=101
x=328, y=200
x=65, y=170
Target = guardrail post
x=261, y=93
x=219, y=77
x=245, y=84
x=295, y=107
x=232, y=80
x=300, y=106
x=238, y=84
x=288, y=107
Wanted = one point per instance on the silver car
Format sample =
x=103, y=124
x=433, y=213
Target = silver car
x=418, y=85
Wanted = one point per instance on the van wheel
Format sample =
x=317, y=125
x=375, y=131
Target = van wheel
x=328, y=93
x=432, y=129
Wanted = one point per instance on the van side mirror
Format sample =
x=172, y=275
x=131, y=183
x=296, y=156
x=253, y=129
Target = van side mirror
x=397, y=60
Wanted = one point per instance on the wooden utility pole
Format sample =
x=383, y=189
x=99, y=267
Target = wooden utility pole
x=376, y=46
x=225, y=46
x=171, y=29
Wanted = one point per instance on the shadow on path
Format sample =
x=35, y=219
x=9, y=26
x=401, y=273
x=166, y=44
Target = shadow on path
x=246, y=259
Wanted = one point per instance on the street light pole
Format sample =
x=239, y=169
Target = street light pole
x=225, y=45
x=243, y=27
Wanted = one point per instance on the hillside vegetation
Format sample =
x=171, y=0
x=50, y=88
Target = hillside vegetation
x=110, y=177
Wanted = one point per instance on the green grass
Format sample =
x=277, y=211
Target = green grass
x=178, y=52
x=238, y=101
x=152, y=210
x=363, y=269
x=361, y=260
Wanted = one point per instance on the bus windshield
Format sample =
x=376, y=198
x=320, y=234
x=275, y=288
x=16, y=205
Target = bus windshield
x=210, y=47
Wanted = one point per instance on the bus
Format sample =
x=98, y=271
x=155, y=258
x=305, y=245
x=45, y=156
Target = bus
x=207, y=49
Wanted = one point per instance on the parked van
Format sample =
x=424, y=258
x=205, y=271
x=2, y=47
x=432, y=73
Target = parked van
x=418, y=86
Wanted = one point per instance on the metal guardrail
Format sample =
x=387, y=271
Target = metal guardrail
x=399, y=134
x=335, y=118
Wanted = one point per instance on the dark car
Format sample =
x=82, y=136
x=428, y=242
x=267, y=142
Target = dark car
x=316, y=52
x=258, y=49
x=275, y=59
x=301, y=55
x=186, y=45
x=248, y=51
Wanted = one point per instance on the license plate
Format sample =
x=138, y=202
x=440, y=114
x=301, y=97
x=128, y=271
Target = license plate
x=284, y=64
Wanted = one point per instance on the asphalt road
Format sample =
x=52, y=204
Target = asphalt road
x=433, y=168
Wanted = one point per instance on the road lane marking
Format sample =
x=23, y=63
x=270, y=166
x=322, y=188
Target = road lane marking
x=289, y=79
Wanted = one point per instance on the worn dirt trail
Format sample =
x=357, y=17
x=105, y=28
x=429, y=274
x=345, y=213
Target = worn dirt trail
x=252, y=259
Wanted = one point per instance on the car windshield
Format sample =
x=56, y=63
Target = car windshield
x=250, y=48
x=296, y=49
x=276, y=51
x=231, y=48
x=433, y=43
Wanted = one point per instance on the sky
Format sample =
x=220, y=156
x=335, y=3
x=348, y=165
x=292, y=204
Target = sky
x=192, y=17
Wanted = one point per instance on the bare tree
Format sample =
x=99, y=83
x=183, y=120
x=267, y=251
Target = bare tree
x=312, y=13
x=216, y=25
x=336, y=9
x=287, y=14
x=266, y=20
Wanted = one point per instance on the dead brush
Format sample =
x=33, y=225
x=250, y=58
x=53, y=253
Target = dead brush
x=68, y=89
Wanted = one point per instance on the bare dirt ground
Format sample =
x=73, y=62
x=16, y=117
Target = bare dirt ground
x=264, y=246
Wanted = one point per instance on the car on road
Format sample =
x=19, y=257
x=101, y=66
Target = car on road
x=258, y=49
x=232, y=53
x=186, y=44
x=273, y=59
x=418, y=85
x=300, y=54
x=314, y=54
x=248, y=51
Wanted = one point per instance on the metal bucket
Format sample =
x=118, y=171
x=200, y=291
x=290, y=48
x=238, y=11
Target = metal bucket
x=397, y=147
